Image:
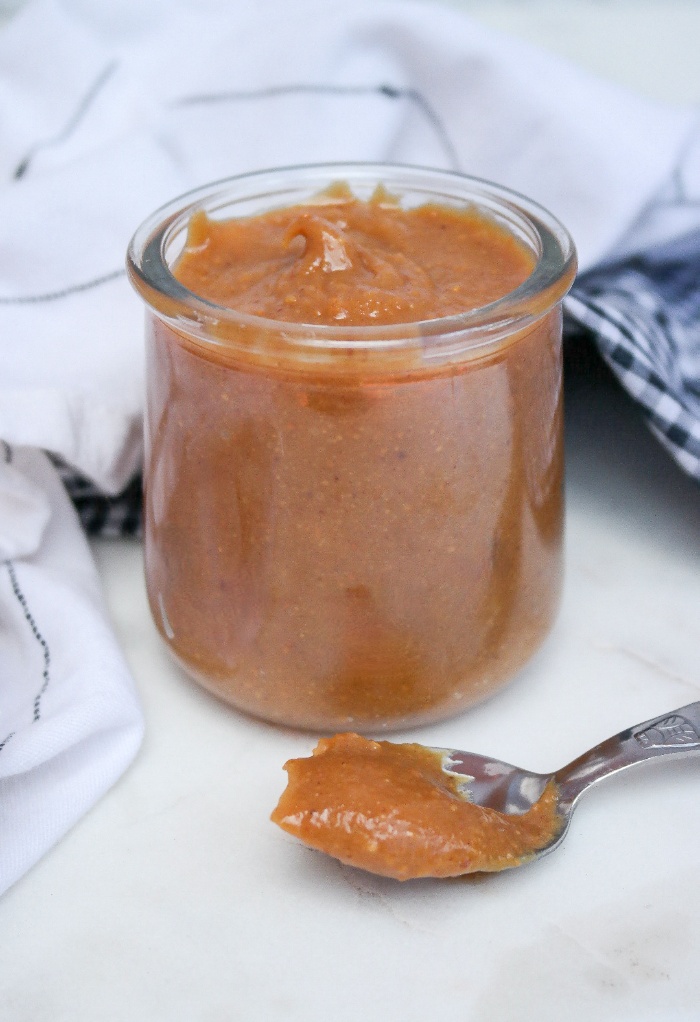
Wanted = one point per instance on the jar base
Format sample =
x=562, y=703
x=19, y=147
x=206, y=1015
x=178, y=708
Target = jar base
x=447, y=708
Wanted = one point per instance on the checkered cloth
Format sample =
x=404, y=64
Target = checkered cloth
x=102, y=515
x=643, y=313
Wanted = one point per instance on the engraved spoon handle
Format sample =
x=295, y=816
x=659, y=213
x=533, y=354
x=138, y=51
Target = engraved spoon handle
x=674, y=733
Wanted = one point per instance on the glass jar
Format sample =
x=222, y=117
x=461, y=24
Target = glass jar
x=353, y=528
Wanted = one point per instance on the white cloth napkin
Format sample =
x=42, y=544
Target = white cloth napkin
x=70, y=721
x=111, y=107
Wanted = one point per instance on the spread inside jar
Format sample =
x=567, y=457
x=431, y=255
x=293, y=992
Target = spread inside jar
x=341, y=537
x=391, y=809
x=343, y=261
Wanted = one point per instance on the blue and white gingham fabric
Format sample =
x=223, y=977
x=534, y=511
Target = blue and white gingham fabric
x=643, y=313
x=641, y=306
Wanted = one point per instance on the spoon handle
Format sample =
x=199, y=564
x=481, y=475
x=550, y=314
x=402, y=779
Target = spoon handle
x=674, y=733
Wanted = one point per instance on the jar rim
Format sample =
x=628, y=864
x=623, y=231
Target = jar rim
x=550, y=279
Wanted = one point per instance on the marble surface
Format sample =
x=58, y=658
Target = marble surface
x=175, y=900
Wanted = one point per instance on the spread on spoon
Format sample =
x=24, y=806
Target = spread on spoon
x=391, y=809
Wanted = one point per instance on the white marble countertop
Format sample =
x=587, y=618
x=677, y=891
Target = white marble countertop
x=175, y=900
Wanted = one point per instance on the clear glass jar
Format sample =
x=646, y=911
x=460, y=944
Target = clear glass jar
x=353, y=528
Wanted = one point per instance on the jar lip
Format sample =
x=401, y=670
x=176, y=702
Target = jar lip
x=549, y=281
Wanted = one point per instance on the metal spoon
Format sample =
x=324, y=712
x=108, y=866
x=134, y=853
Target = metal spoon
x=508, y=789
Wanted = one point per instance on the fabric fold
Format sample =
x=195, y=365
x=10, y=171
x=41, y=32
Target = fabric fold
x=71, y=721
